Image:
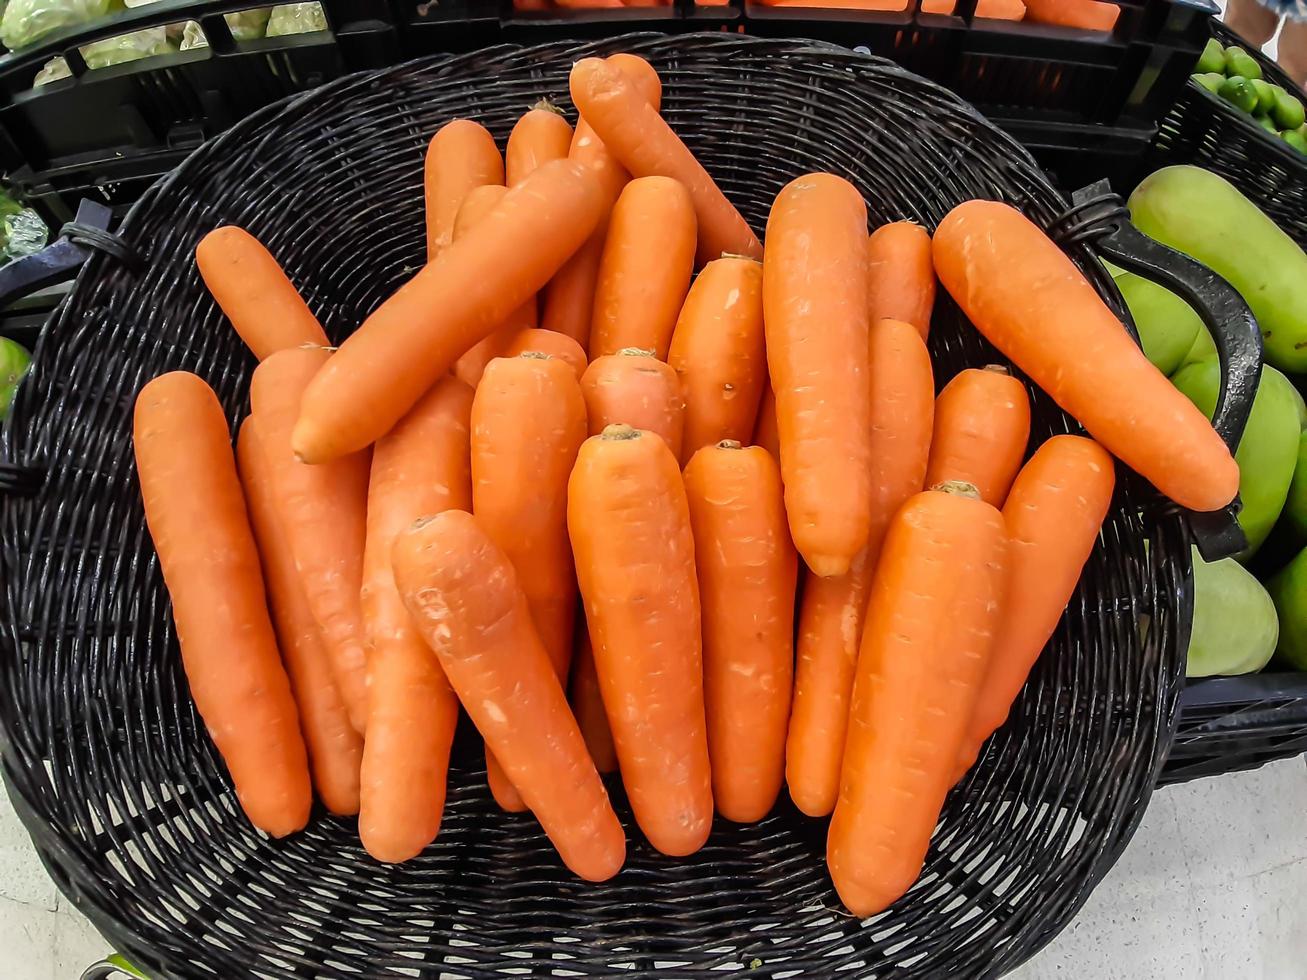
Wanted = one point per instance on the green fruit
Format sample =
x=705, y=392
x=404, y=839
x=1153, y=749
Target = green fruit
x=1234, y=628
x=1167, y=324
x=1204, y=347
x=1240, y=62
x=1295, y=505
x=1288, y=111
x=1268, y=451
x=1266, y=124
x=1203, y=216
x=1289, y=592
x=1301, y=403
x=1212, y=60
x=14, y=361
x=1296, y=139
x=1265, y=95
x=1212, y=81
x=1239, y=92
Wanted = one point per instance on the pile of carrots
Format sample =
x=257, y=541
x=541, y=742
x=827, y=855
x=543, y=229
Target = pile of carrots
x=603, y=393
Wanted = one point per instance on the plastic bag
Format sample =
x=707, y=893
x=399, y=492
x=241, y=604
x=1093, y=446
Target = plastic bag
x=127, y=47
x=296, y=18
x=52, y=71
x=248, y=25
x=27, y=21
x=24, y=233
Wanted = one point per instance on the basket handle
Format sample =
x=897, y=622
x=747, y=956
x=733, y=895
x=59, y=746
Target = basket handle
x=1100, y=216
x=59, y=261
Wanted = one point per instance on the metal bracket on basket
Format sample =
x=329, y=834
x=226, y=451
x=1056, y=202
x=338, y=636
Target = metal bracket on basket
x=77, y=241
x=1100, y=216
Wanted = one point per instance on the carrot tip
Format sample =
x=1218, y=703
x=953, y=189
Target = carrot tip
x=730, y=444
x=957, y=488
x=548, y=106
x=637, y=352
x=619, y=432
x=996, y=369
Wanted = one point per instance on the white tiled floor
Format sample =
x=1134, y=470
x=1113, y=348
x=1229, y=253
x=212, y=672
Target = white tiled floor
x=1213, y=887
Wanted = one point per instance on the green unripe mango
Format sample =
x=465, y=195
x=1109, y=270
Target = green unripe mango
x=1288, y=111
x=1212, y=81
x=1240, y=62
x=1167, y=324
x=1296, y=139
x=1288, y=590
x=1265, y=95
x=1234, y=628
x=1239, y=92
x=1212, y=60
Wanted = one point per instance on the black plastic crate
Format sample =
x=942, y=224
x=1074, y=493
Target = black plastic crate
x=1228, y=724
x=1205, y=130
x=108, y=134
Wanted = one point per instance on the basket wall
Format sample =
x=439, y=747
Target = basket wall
x=111, y=768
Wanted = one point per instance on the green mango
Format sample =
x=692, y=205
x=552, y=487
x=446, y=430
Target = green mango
x=1212, y=81
x=1203, y=216
x=1265, y=95
x=1302, y=405
x=1288, y=111
x=1268, y=451
x=1234, y=629
x=1267, y=124
x=1212, y=59
x=1295, y=505
x=1204, y=346
x=1167, y=324
x=14, y=362
x=1288, y=590
x=1240, y=62
x=1239, y=92
x=1296, y=139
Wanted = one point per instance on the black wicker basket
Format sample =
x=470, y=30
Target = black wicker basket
x=110, y=767
x=1205, y=130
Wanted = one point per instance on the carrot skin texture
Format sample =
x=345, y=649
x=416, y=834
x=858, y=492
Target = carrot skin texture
x=311, y=500
x=539, y=136
x=638, y=137
x=464, y=597
x=982, y=425
x=196, y=515
x=335, y=748
x=747, y=571
x=588, y=704
x=934, y=607
x=833, y=609
x=718, y=351
x=557, y=345
x=634, y=388
x=1043, y=314
x=528, y=422
x=645, y=269
x=630, y=528
x=765, y=431
x=461, y=156
x=254, y=293
x=902, y=275
x=815, y=311
x=420, y=468
x=416, y=335
x=1053, y=515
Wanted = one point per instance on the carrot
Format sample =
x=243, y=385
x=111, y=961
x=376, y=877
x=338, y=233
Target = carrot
x=765, y=432
x=323, y=511
x=528, y=421
x=630, y=528
x=719, y=355
x=463, y=594
x=1088, y=15
x=419, y=468
x=747, y=572
x=196, y=515
x=254, y=293
x=902, y=277
x=632, y=387
x=415, y=336
x=480, y=202
x=982, y=425
x=541, y=135
x=1042, y=313
x=548, y=342
x=588, y=705
x=568, y=300
x=645, y=269
x=335, y=749
x=462, y=155
x=935, y=603
x=1053, y=516
x=832, y=611
x=815, y=311
x=638, y=137
x=985, y=9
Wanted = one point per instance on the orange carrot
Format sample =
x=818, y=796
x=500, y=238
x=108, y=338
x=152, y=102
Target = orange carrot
x=831, y=613
x=646, y=267
x=196, y=515
x=747, y=572
x=1087, y=15
x=528, y=421
x=254, y=293
x=632, y=387
x=1053, y=516
x=765, y=431
x=630, y=527
x=568, y=300
x=1035, y=306
x=323, y=511
x=416, y=335
x=462, y=155
x=634, y=133
x=815, y=303
x=541, y=135
x=719, y=355
x=463, y=594
x=588, y=704
x=480, y=202
x=901, y=273
x=935, y=603
x=982, y=425
x=335, y=749
x=552, y=344
x=420, y=468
